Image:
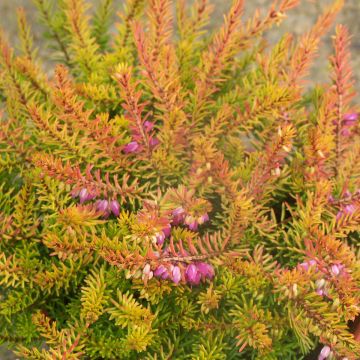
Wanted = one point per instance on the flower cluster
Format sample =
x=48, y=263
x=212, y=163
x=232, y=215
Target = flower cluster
x=321, y=284
x=156, y=225
x=152, y=225
x=348, y=122
x=326, y=353
x=106, y=207
x=83, y=194
x=193, y=273
x=347, y=206
x=134, y=146
x=180, y=216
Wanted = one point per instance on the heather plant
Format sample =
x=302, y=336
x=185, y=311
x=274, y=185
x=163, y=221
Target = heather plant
x=167, y=193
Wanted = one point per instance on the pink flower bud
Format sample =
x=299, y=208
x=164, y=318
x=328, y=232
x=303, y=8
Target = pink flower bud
x=320, y=292
x=197, y=278
x=167, y=231
x=160, y=238
x=349, y=209
x=147, y=273
x=115, y=207
x=341, y=267
x=350, y=118
x=206, y=270
x=176, y=274
x=203, y=218
x=154, y=141
x=178, y=211
x=178, y=216
x=131, y=147
x=148, y=125
x=335, y=270
x=345, y=132
x=160, y=270
x=304, y=265
x=102, y=205
x=147, y=269
x=193, y=226
x=193, y=276
x=320, y=283
x=331, y=199
x=308, y=264
x=83, y=195
x=324, y=353
x=312, y=262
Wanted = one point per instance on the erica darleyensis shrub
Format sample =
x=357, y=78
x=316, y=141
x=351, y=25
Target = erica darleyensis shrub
x=171, y=194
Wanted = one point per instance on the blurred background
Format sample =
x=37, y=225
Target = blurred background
x=298, y=21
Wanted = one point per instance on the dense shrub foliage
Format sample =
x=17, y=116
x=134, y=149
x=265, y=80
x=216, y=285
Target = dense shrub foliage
x=170, y=194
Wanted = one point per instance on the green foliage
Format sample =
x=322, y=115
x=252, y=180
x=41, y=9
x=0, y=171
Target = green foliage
x=170, y=194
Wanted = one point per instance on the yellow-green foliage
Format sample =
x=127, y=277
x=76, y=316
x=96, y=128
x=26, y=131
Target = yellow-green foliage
x=171, y=193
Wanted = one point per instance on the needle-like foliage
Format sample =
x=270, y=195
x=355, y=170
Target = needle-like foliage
x=167, y=193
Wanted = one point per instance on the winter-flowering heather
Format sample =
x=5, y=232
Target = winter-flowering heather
x=168, y=191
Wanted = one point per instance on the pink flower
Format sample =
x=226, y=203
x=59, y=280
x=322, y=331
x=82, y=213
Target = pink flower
x=147, y=269
x=204, y=218
x=131, y=147
x=347, y=210
x=345, y=132
x=205, y=270
x=191, y=222
x=350, y=119
x=176, y=274
x=347, y=195
x=193, y=226
x=147, y=273
x=83, y=194
x=335, y=270
x=165, y=275
x=178, y=216
x=331, y=199
x=159, y=238
x=320, y=287
x=167, y=231
x=115, y=207
x=102, y=205
x=324, y=353
x=160, y=270
x=193, y=276
x=339, y=215
x=154, y=141
x=308, y=264
x=148, y=125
